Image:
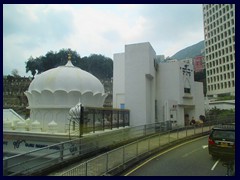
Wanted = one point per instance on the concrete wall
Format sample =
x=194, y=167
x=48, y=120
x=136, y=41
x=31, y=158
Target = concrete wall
x=199, y=100
x=171, y=82
x=140, y=88
x=118, y=80
x=144, y=90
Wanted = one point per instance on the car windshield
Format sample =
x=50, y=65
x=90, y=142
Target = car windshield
x=230, y=135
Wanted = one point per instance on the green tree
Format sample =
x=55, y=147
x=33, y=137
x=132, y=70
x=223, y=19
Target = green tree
x=31, y=65
x=15, y=73
x=96, y=64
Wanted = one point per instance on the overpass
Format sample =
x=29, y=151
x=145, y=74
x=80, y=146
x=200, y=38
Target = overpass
x=103, y=154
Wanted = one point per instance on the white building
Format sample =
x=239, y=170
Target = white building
x=219, y=35
x=155, y=92
x=53, y=93
x=227, y=104
x=187, y=60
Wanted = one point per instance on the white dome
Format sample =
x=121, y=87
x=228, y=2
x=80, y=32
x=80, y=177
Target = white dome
x=52, y=93
x=67, y=78
x=63, y=86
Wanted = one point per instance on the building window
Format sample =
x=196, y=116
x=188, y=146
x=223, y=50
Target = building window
x=122, y=106
x=187, y=90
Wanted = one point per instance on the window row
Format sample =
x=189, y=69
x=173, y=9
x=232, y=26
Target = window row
x=212, y=55
x=216, y=20
x=223, y=85
x=219, y=41
x=220, y=69
x=220, y=33
x=223, y=60
x=211, y=32
x=221, y=8
x=221, y=77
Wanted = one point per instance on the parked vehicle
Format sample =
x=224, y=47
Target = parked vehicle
x=221, y=141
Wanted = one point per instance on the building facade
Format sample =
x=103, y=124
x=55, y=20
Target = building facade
x=155, y=92
x=219, y=34
x=198, y=63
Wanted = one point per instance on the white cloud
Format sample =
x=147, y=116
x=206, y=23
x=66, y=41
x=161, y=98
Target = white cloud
x=33, y=30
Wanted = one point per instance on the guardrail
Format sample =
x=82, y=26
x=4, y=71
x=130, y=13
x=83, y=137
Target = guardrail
x=121, y=158
x=44, y=158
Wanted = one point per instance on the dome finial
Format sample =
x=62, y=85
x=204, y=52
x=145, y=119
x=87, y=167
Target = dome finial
x=69, y=55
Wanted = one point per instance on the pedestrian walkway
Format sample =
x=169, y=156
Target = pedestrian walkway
x=107, y=162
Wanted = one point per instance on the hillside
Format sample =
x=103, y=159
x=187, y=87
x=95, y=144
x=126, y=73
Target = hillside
x=189, y=52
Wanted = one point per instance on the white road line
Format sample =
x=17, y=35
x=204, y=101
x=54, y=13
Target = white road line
x=204, y=146
x=215, y=164
x=161, y=153
x=191, y=152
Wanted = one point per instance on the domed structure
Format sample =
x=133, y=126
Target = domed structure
x=64, y=86
x=52, y=93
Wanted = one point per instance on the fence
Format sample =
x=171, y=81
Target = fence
x=43, y=158
x=92, y=119
x=122, y=157
x=151, y=136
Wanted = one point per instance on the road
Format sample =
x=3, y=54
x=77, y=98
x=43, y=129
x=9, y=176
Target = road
x=188, y=159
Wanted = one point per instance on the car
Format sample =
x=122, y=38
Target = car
x=221, y=141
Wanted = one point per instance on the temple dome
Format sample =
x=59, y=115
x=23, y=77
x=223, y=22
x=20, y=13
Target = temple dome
x=64, y=87
x=67, y=78
x=54, y=92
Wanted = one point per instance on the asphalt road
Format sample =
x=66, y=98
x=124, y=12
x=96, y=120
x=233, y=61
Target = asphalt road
x=188, y=159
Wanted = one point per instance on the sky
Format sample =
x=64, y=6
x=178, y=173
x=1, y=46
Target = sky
x=33, y=30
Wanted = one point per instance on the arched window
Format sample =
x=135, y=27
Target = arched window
x=187, y=86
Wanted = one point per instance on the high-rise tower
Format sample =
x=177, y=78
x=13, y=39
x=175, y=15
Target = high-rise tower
x=219, y=34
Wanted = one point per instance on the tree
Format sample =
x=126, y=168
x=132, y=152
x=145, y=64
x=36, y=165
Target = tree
x=96, y=64
x=31, y=66
x=15, y=73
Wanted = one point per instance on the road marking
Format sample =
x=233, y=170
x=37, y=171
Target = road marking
x=205, y=146
x=191, y=152
x=215, y=164
x=175, y=147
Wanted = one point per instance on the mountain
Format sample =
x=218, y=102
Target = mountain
x=190, y=52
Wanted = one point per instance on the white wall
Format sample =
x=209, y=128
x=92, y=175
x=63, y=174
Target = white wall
x=167, y=88
x=170, y=90
x=118, y=79
x=45, y=116
x=199, y=99
x=140, y=88
x=140, y=85
x=168, y=82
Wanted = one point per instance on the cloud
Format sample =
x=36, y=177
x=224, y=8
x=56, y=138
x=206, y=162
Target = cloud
x=174, y=27
x=33, y=30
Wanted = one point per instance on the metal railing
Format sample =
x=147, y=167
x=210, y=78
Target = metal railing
x=121, y=158
x=43, y=158
x=46, y=157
